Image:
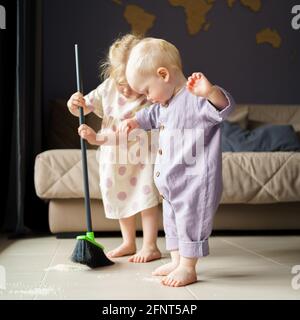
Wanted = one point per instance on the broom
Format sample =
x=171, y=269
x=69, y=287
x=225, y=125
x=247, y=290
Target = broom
x=87, y=251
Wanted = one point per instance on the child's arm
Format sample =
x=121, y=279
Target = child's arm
x=92, y=102
x=146, y=119
x=199, y=85
x=77, y=100
x=108, y=138
x=94, y=99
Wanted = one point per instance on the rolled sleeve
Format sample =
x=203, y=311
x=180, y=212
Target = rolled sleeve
x=214, y=115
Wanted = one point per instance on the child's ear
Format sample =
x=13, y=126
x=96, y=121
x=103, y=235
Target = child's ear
x=163, y=73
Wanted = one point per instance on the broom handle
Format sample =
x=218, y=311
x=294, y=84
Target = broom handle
x=83, y=149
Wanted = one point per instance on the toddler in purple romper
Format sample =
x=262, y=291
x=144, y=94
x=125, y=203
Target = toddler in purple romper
x=189, y=200
x=191, y=191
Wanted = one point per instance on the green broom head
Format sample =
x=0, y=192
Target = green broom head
x=87, y=251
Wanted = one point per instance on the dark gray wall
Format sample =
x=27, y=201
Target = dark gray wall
x=227, y=53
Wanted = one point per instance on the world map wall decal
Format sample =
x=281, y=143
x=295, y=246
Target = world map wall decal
x=196, y=20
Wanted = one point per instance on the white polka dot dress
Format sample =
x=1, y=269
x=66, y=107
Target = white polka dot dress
x=126, y=187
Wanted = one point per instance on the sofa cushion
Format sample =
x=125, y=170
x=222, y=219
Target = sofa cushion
x=58, y=174
x=261, y=177
x=266, y=138
x=248, y=177
x=259, y=115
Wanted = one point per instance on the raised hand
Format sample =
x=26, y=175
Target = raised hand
x=198, y=85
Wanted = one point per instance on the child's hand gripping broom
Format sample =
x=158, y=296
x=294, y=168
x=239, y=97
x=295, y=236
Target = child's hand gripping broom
x=87, y=250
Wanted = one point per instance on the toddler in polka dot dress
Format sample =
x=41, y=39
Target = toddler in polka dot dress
x=127, y=189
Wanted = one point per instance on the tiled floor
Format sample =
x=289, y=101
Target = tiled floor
x=249, y=267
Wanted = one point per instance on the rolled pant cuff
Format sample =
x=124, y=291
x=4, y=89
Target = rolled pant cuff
x=171, y=244
x=194, y=249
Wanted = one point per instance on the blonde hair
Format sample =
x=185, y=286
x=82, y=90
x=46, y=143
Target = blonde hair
x=151, y=53
x=115, y=62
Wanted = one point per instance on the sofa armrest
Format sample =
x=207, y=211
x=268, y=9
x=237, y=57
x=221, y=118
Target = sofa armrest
x=58, y=174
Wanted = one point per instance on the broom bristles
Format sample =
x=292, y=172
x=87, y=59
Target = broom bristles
x=89, y=254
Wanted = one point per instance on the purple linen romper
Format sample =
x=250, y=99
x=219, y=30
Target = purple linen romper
x=191, y=192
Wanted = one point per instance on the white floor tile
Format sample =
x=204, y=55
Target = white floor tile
x=237, y=268
x=283, y=250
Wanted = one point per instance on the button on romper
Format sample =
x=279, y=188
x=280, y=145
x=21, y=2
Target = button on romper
x=191, y=191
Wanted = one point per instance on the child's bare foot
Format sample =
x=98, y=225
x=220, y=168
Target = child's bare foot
x=165, y=269
x=123, y=250
x=146, y=255
x=181, y=276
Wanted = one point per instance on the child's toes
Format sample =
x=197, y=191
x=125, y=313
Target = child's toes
x=176, y=283
x=166, y=281
x=110, y=254
x=131, y=259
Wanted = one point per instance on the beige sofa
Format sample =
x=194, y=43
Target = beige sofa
x=261, y=189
